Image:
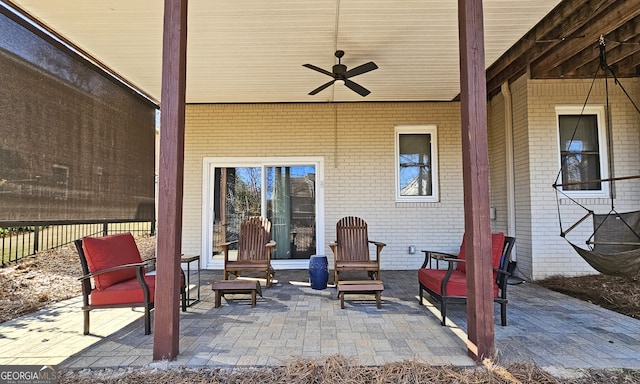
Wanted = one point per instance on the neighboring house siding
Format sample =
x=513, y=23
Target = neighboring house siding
x=545, y=253
x=358, y=164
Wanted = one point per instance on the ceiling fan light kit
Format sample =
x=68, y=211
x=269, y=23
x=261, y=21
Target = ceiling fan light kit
x=341, y=75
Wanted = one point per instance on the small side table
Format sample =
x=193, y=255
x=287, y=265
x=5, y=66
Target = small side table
x=236, y=286
x=188, y=260
x=360, y=286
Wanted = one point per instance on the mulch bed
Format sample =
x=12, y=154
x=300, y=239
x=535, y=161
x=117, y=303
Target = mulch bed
x=619, y=294
x=339, y=369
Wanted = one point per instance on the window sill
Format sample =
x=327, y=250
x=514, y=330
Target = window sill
x=418, y=204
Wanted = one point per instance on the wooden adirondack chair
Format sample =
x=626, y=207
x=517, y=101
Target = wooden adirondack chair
x=351, y=248
x=254, y=249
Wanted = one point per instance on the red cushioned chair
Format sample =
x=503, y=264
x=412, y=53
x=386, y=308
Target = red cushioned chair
x=449, y=285
x=119, y=276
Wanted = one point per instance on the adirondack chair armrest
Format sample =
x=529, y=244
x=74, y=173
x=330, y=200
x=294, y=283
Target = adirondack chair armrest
x=379, y=247
x=271, y=246
x=440, y=256
x=333, y=246
x=225, y=248
x=378, y=244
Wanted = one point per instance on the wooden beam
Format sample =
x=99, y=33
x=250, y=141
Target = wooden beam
x=170, y=183
x=629, y=66
x=475, y=166
x=620, y=46
x=623, y=42
x=608, y=21
x=550, y=32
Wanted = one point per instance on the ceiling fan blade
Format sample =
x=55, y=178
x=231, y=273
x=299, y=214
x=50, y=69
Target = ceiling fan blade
x=357, y=88
x=320, y=88
x=311, y=66
x=359, y=70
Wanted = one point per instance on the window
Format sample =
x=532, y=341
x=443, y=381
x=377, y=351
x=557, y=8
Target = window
x=583, y=151
x=416, y=163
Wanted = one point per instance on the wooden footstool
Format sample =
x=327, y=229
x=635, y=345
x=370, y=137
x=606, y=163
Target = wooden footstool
x=236, y=286
x=360, y=286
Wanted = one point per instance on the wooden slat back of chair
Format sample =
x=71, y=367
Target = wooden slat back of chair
x=255, y=233
x=353, y=239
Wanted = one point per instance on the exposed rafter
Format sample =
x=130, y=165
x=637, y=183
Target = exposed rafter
x=565, y=44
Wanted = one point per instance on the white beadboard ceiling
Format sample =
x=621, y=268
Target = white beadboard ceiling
x=253, y=50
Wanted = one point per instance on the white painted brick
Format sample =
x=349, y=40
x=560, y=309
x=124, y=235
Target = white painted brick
x=359, y=173
x=541, y=251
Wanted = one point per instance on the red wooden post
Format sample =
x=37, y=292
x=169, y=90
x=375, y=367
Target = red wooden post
x=170, y=183
x=475, y=164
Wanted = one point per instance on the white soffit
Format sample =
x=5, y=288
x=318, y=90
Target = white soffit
x=253, y=50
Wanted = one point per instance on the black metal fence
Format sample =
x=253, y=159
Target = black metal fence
x=23, y=239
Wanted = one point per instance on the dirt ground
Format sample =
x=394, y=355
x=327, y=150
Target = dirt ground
x=52, y=276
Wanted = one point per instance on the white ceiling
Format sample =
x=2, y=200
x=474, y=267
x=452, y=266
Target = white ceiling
x=253, y=50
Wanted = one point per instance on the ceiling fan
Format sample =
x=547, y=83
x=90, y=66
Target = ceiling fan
x=340, y=74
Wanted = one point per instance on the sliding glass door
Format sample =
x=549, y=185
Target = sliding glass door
x=291, y=207
x=287, y=194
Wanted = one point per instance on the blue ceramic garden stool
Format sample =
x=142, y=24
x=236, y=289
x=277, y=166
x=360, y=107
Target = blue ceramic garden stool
x=318, y=272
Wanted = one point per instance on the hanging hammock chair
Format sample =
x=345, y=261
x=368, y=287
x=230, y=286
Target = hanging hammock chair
x=614, y=246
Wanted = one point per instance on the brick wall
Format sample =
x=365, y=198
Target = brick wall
x=359, y=173
x=541, y=251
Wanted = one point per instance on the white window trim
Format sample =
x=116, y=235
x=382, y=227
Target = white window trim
x=603, y=147
x=208, y=173
x=418, y=129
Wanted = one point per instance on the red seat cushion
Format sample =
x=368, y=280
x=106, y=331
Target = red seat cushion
x=111, y=251
x=125, y=292
x=457, y=285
